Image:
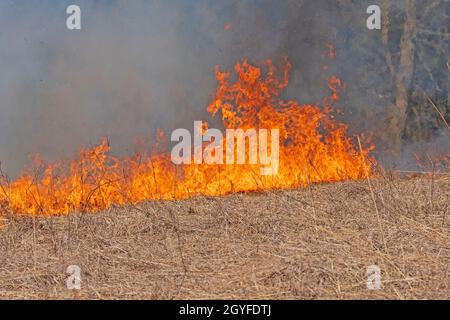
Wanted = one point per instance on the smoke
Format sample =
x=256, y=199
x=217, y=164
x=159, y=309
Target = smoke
x=134, y=67
x=362, y=63
x=428, y=156
x=141, y=65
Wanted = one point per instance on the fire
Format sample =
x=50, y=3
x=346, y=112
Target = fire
x=313, y=148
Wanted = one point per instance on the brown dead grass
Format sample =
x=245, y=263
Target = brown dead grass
x=313, y=243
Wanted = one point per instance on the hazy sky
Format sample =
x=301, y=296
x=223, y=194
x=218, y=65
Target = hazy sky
x=140, y=65
x=134, y=66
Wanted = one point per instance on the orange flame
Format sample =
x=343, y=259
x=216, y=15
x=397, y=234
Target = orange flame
x=313, y=148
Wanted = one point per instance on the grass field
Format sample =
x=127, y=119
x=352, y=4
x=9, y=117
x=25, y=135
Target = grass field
x=312, y=243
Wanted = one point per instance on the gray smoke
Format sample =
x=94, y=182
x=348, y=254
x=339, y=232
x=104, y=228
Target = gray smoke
x=140, y=65
x=135, y=66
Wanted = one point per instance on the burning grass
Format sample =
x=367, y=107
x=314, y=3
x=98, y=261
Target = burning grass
x=307, y=243
x=196, y=231
x=314, y=148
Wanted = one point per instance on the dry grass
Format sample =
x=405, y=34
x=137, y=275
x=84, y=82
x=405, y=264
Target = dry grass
x=313, y=243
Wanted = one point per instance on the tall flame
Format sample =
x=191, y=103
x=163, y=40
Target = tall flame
x=313, y=148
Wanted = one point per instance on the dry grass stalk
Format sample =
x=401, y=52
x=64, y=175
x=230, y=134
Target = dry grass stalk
x=269, y=245
x=373, y=196
x=438, y=111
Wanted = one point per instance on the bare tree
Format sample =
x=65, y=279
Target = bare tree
x=403, y=76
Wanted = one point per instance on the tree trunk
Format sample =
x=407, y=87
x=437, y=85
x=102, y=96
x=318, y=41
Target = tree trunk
x=397, y=114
